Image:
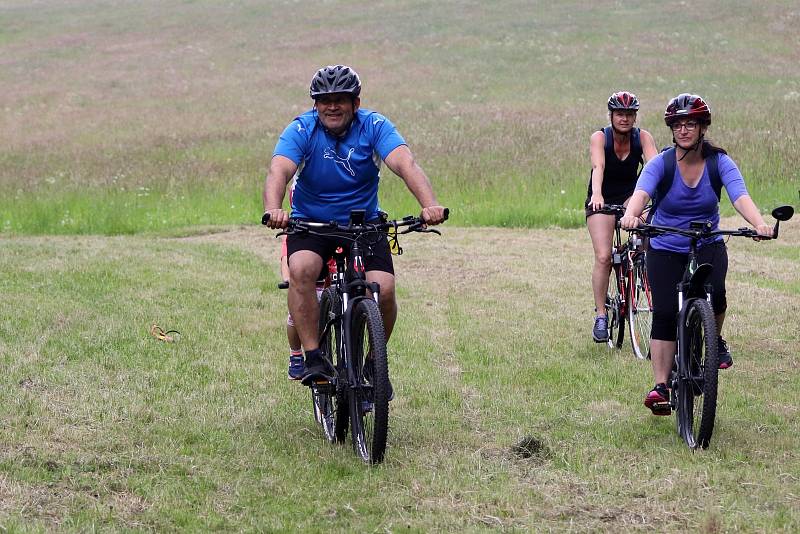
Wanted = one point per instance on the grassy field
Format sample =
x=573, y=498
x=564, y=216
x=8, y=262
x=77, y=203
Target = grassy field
x=134, y=137
x=168, y=111
x=105, y=427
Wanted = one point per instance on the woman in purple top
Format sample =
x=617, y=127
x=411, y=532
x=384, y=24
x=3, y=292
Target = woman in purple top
x=693, y=195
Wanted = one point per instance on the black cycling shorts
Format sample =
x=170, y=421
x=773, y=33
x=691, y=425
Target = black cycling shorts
x=374, y=247
x=664, y=271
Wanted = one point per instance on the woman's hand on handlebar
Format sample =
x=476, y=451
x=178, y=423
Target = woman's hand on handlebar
x=596, y=202
x=629, y=222
x=275, y=218
x=764, y=230
x=434, y=215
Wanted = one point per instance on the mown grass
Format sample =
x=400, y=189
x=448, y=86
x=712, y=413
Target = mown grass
x=498, y=102
x=506, y=415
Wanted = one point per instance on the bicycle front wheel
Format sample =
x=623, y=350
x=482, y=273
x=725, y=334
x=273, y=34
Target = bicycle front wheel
x=697, y=374
x=369, y=394
x=330, y=400
x=614, y=310
x=640, y=308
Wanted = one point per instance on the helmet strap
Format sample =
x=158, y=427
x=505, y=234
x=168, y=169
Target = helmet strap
x=693, y=148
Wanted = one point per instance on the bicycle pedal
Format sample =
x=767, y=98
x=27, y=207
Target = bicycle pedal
x=661, y=408
x=323, y=387
x=315, y=381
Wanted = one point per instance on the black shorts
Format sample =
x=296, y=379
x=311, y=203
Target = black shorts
x=374, y=248
x=664, y=271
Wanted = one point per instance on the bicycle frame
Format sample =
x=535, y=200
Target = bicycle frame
x=355, y=388
x=620, y=256
x=624, y=254
x=695, y=366
x=351, y=284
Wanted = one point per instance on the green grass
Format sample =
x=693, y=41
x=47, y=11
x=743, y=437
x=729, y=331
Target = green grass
x=129, y=125
x=105, y=427
x=186, y=99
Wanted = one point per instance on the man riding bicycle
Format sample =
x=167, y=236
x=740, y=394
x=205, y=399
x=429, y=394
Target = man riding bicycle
x=335, y=151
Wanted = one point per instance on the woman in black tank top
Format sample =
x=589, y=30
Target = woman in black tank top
x=617, y=151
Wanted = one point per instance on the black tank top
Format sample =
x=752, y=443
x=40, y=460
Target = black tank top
x=619, y=176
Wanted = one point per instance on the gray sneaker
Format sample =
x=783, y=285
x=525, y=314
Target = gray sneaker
x=600, y=330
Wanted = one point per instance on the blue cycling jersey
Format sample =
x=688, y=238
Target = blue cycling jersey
x=337, y=174
x=683, y=204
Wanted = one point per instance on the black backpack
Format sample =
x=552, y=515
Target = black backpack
x=670, y=161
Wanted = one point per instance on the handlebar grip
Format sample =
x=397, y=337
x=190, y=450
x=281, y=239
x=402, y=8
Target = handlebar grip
x=265, y=218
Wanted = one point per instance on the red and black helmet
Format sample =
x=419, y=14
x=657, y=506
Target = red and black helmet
x=687, y=106
x=623, y=100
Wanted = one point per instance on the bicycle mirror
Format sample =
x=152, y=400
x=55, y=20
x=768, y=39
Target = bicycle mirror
x=783, y=213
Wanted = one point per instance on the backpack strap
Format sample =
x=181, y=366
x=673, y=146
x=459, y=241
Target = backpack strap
x=666, y=180
x=712, y=164
x=636, y=146
x=609, y=133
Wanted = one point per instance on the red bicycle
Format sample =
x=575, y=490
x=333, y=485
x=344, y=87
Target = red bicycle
x=628, y=299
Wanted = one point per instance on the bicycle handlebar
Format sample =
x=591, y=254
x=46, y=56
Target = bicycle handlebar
x=705, y=231
x=612, y=209
x=414, y=224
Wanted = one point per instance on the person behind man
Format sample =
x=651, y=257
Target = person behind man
x=335, y=152
x=616, y=153
x=689, y=191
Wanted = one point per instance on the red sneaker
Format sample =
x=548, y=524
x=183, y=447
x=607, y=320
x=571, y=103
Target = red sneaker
x=658, y=400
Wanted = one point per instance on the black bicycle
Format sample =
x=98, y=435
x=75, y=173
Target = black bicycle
x=352, y=336
x=628, y=299
x=694, y=376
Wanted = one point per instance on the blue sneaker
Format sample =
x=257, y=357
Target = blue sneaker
x=600, y=330
x=296, y=367
x=366, y=406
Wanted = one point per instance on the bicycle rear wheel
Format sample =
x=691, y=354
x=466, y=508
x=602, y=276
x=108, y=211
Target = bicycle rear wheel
x=697, y=375
x=369, y=395
x=614, y=310
x=330, y=400
x=640, y=308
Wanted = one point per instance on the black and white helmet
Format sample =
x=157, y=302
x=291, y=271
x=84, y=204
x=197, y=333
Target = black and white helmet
x=335, y=79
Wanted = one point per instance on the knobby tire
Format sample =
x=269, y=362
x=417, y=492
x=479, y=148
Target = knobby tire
x=331, y=408
x=614, y=310
x=369, y=396
x=698, y=375
x=640, y=309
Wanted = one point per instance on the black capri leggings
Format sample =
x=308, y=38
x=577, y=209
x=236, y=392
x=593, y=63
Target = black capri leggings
x=664, y=271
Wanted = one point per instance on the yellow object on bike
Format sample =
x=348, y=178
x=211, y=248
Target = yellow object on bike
x=391, y=235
